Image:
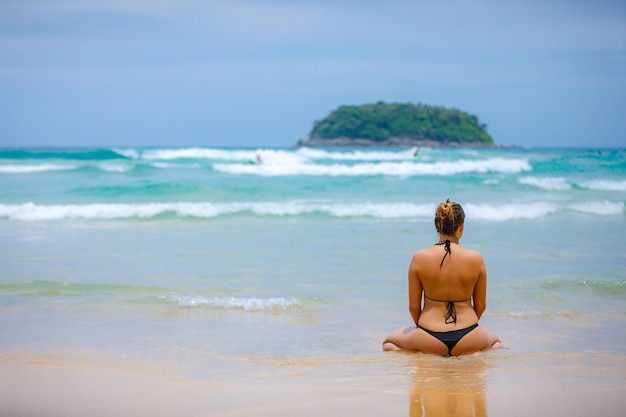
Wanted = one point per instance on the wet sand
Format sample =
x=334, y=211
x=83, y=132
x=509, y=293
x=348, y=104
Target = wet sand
x=69, y=384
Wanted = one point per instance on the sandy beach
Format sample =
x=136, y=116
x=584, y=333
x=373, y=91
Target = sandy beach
x=491, y=383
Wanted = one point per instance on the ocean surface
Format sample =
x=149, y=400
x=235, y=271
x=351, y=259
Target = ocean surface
x=202, y=259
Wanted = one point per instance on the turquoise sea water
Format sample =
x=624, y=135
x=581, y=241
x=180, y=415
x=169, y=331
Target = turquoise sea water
x=201, y=256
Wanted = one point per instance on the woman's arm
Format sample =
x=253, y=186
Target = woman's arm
x=415, y=291
x=480, y=289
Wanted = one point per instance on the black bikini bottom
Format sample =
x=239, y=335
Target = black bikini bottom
x=451, y=338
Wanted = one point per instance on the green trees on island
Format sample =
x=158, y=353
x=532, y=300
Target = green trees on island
x=411, y=123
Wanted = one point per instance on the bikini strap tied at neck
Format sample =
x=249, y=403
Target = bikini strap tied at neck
x=446, y=247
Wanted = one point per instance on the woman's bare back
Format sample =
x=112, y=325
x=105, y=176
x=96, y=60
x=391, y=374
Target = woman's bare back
x=447, y=294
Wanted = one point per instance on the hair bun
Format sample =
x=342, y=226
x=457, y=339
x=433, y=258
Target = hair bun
x=449, y=216
x=446, y=209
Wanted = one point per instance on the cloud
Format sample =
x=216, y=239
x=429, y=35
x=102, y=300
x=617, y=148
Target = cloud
x=158, y=32
x=492, y=57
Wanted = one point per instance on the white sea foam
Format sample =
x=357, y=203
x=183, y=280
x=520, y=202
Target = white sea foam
x=34, y=212
x=542, y=314
x=25, y=169
x=402, y=169
x=110, y=167
x=605, y=185
x=602, y=208
x=30, y=211
x=395, y=210
x=357, y=155
x=506, y=212
x=128, y=153
x=197, y=153
x=238, y=303
x=268, y=156
x=164, y=165
x=382, y=211
x=547, y=183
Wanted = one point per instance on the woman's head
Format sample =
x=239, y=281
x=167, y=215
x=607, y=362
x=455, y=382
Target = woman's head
x=449, y=216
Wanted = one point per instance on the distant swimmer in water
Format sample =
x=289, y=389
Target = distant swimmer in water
x=416, y=154
x=258, y=159
x=447, y=294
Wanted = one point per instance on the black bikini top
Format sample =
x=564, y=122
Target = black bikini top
x=450, y=317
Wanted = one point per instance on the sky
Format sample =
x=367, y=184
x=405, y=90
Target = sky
x=246, y=73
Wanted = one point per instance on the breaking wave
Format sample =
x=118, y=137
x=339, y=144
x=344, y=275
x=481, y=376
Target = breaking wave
x=401, y=169
x=275, y=304
x=396, y=210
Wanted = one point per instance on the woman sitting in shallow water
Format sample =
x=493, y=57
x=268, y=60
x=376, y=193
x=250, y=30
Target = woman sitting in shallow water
x=453, y=283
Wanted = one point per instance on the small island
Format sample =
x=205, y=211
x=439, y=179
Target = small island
x=397, y=124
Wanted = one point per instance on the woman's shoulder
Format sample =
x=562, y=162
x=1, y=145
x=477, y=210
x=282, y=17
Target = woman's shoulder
x=472, y=254
x=424, y=253
x=469, y=251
